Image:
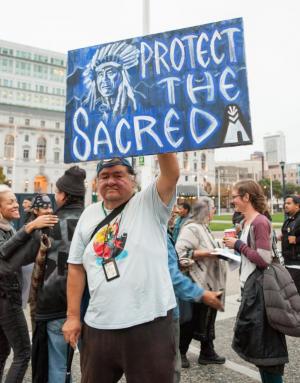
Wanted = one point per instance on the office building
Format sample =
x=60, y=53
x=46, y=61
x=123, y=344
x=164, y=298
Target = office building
x=274, y=148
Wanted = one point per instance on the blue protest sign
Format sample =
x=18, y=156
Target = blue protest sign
x=169, y=92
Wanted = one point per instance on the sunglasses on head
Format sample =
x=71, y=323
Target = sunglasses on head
x=106, y=163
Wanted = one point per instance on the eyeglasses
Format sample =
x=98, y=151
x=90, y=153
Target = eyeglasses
x=235, y=195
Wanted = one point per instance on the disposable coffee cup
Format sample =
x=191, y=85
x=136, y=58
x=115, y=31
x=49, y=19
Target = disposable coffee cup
x=230, y=233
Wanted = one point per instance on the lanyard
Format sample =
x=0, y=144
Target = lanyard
x=112, y=240
x=103, y=208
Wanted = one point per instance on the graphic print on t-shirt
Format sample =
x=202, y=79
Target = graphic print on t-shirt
x=107, y=244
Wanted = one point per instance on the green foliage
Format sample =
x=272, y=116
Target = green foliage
x=291, y=188
x=276, y=188
x=2, y=177
x=265, y=185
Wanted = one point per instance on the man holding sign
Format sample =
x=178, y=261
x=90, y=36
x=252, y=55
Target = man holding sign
x=127, y=326
x=175, y=91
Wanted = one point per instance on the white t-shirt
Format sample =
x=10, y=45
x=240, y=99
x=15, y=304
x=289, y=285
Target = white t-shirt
x=247, y=267
x=144, y=289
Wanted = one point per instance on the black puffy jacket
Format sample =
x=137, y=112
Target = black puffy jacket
x=291, y=252
x=254, y=339
x=14, y=253
x=52, y=300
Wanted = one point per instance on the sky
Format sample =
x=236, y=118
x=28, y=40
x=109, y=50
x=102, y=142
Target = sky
x=272, y=43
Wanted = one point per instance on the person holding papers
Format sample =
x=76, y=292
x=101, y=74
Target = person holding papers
x=197, y=242
x=254, y=339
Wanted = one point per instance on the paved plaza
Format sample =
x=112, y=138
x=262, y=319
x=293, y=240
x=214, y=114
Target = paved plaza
x=235, y=370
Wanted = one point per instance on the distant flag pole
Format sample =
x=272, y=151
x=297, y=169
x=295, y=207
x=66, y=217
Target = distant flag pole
x=146, y=17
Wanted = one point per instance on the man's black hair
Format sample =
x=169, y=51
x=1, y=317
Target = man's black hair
x=74, y=199
x=237, y=217
x=185, y=205
x=295, y=198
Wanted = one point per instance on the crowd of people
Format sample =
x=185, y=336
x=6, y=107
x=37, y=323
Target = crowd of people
x=133, y=278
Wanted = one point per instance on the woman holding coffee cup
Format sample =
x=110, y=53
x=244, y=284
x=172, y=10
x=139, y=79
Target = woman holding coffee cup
x=255, y=341
x=196, y=242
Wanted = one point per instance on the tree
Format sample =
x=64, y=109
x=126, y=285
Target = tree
x=277, y=189
x=2, y=176
x=291, y=188
x=265, y=185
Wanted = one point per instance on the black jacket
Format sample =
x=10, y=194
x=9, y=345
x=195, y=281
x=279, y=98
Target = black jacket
x=291, y=252
x=254, y=339
x=14, y=253
x=52, y=300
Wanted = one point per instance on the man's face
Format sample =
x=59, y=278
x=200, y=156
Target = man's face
x=9, y=207
x=108, y=81
x=290, y=206
x=43, y=211
x=26, y=204
x=60, y=197
x=182, y=212
x=115, y=183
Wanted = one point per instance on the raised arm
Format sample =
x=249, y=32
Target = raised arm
x=8, y=248
x=169, y=174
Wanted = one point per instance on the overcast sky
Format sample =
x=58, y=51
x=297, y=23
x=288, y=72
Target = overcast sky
x=272, y=41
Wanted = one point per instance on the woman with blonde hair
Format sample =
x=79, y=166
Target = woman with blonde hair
x=198, y=243
x=254, y=339
x=13, y=254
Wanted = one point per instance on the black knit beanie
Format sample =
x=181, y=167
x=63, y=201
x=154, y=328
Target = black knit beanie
x=72, y=182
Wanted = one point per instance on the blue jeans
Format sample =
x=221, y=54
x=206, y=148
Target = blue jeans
x=13, y=334
x=57, y=352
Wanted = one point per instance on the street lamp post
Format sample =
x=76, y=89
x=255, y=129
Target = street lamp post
x=228, y=198
x=219, y=190
x=271, y=195
x=282, y=165
x=14, y=177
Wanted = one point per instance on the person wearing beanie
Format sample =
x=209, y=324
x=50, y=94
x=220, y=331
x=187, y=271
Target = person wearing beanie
x=72, y=182
x=51, y=304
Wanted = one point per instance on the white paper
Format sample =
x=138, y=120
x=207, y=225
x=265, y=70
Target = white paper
x=293, y=267
x=227, y=254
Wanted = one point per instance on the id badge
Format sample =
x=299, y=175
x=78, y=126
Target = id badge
x=110, y=269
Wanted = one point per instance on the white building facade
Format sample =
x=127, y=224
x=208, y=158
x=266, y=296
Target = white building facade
x=197, y=172
x=32, y=118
